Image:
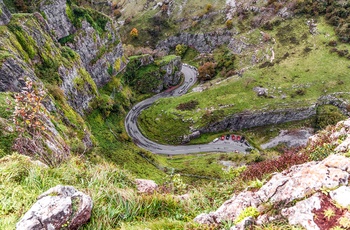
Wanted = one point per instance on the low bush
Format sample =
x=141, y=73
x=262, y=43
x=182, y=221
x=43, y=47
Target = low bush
x=191, y=105
x=288, y=159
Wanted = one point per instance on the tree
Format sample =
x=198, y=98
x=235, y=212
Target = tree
x=180, y=49
x=134, y=33
x=206, y=71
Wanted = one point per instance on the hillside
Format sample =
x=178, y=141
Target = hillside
x=71, y=71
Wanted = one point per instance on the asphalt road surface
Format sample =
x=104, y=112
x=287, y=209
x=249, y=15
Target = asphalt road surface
x=190, y=74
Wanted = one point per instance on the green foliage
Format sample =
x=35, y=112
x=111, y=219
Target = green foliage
x=47, y=70
x=96, y=19
x=234, y=173
x=321, y=152
x=68, y=53
x=247, y=212
x=328, y=115
x=180, y=49
x=67, y=39
x=26, y=41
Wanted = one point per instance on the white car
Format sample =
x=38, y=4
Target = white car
x=215, y=140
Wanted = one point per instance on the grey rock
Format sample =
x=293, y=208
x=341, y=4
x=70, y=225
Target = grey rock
x=302, y=214
x=204, y=42
x=80, y=96
x=255, y=119
x=57, y=18
x=260, y=91
x=188, y=138
x=246, y=223
x=293, y=184
x=13, y=71
x=5, y=15
x=98, y=53
x=342, y=196
x=59, y=207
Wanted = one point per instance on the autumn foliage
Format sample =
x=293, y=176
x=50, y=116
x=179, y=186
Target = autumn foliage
x=206, y=71
x=134, y=33
x=30, y=122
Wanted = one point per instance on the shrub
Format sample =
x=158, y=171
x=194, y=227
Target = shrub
x=134, y=33
x=30, y=121
x=206, y=71
x=191, y=105
x=180, y=49
x=288, y=159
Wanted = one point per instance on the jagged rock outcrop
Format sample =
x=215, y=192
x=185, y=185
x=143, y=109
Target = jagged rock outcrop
x=5, y=15
x=300, y=194
x=150, y=75
x=56, y=17
x=291, y=185
x=255, y=119
x=59, y=207
x=203, y=43
x=12, y=73
x=99, y=53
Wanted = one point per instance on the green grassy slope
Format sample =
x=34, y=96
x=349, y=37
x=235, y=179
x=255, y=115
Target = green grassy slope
x=304, y=69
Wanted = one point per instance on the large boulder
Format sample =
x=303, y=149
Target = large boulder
x=59, y=207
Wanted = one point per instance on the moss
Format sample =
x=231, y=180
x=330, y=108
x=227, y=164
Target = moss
x=117, y=64
x=87, y=79
x=26, y=41
x=67, y=39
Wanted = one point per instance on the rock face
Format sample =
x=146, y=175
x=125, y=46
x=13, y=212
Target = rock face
x=5, y=15
x=203, y=43
x=99, y=53
x=291, y=185
x=59, y=207
x=254, y=119
x=149, y=75
x=58, y=22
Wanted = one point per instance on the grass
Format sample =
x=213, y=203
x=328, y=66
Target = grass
x=300, y=79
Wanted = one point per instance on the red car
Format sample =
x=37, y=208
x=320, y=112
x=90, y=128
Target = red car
x=238, y=138
x=223, y=137
x=233, y=137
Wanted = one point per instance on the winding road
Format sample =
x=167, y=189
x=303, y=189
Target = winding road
x=133, y=131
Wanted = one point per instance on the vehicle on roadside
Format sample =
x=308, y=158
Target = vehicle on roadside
x=242, y=139
x=215, y=140
x=233, y=137
x=222, y=137
x=238, y=138
x=227, y=136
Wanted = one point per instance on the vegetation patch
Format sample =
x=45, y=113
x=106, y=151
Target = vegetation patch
x=191, y=105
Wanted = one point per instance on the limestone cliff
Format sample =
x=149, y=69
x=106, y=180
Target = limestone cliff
x=148, y=75
x=5, y=15
x=31, y=51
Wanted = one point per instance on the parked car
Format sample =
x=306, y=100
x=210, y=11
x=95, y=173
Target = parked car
x=215, y=140
x=223, y=137
x=242, y=139
x=227, y=136
x=238, y=138
x=233, y=137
